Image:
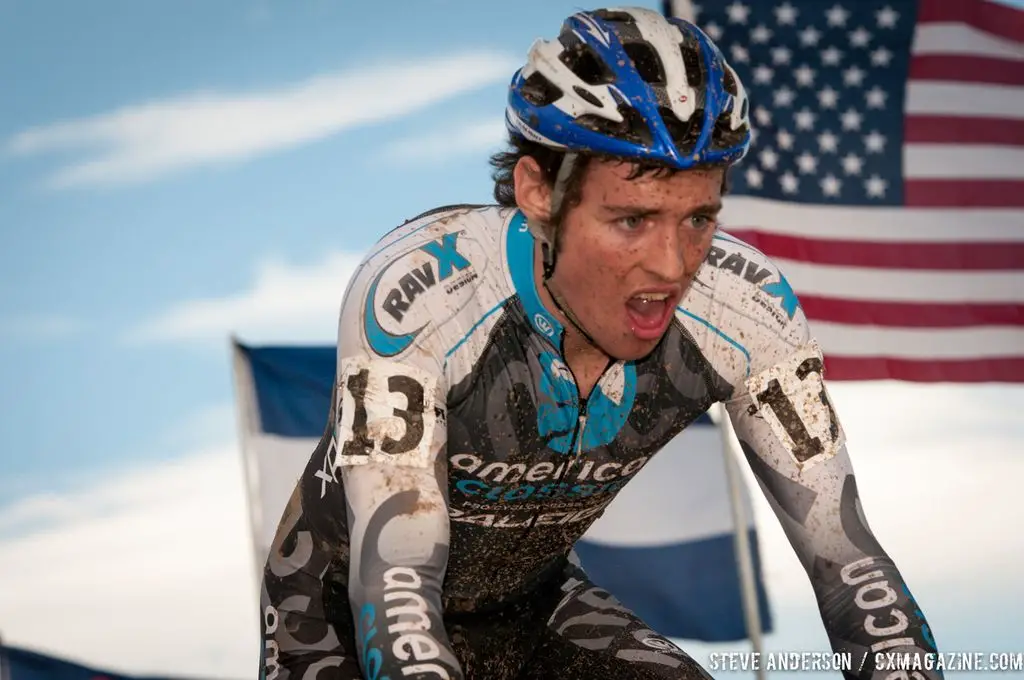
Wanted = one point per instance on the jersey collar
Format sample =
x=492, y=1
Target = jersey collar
x=521, y=252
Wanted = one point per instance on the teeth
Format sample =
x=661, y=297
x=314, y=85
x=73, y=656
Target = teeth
x=650, y=297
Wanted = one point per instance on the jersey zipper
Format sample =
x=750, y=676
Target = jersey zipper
x=577, y=438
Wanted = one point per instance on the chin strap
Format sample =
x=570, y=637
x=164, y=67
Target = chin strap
x=549, y=247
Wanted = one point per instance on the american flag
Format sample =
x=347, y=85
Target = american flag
x=886, y=176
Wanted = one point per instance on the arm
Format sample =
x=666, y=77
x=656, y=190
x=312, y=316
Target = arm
x=390, y=442
x=793, y=441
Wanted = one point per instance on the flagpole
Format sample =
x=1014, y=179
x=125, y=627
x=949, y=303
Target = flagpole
x=246, y=419
x=741, y=536
x=5, y=672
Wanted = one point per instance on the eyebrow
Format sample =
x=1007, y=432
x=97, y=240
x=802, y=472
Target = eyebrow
x=641, y=211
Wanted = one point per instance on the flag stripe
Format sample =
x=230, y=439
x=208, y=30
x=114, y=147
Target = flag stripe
x=861, y=283
x=927, y=161
x=969, y=99
x=967, y=69
x=958, y=193
x=894, y=225
x=919, y=343
x=963, y=130
x=963, y=39
x=911, y=314
x=990, y=17
x=902, y=255
x=1009, y=369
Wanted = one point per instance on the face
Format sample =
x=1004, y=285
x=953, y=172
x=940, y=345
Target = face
x=630, y=249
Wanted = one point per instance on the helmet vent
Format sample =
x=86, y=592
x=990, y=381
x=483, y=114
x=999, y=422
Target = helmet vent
x=684, y=133
x=581, y=60
x=690, y=50
x=540, y=91
x=632, y=128
x=646, y=61
x=588, y=96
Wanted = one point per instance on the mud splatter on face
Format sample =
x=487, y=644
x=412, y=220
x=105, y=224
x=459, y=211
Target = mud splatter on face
x=628, y=237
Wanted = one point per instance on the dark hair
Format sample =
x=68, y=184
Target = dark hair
x=549, y=160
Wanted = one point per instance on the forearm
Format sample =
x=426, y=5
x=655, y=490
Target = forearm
x=398, y=561
x=868, y=612
x=399, y=626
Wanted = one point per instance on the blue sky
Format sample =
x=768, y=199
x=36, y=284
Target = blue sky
x=173, y=173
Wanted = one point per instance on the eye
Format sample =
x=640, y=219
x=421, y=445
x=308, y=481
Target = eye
x=631, y=222
x=703, y=222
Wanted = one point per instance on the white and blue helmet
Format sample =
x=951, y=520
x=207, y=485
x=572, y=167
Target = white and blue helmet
x=631, y=83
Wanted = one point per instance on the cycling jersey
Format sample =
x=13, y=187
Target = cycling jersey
x=460, y=464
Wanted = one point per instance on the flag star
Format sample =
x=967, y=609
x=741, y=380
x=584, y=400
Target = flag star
x=763, y=74
x=769, y=158
x=881, y=57
x=875, y=186
x=853, y=76
x=837, y=16
x=807, y=163
x=754, y=177
x=852, y=164
x=784, y=96
x=831, y=185
x=804, y=75
x=754, y=134
x=860, y=37
x=828, y=98
x=738, y=13
x=785, y=14
x=713, y=30
x=740, y=53
x=781, y=55
x=851, y=119
x=785, y=140
x=763, y=116
x=697, y=9
x=887, y=17
x=804, y=119
x=874, y=142
x=875, y=98
x=810, y=36
x=828, y=142
x=831, y=56
x=761, y=34
x=790, y=183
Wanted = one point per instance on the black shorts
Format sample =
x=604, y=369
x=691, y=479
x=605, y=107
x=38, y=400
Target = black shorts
x=566, y=628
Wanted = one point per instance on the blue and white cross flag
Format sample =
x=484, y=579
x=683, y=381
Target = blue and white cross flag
x=665, y=547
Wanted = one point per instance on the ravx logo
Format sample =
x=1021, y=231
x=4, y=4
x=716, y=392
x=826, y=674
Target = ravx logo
x=412, y=284
x=417, y=281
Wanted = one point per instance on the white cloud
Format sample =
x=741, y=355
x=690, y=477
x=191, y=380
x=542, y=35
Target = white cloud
x=144, y=141
x=150, y=572
x=443, y=145
x=938, y=470
x=38, y=327
x=286, y=303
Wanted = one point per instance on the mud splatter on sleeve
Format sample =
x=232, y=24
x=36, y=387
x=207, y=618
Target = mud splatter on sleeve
x=391, y=430
x=792, y=438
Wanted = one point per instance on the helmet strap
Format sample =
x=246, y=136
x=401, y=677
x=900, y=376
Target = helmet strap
x=549, y=245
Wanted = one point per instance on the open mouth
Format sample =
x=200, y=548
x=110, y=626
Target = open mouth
x=649, y=314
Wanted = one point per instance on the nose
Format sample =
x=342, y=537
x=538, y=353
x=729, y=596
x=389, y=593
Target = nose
x=667, y=254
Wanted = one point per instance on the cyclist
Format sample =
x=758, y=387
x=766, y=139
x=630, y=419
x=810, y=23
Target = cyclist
x=503, y=370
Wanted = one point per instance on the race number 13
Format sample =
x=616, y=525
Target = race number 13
x=792, y=398
x=385, y=413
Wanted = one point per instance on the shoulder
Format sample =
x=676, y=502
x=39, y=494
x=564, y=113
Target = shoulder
x=743, y=310
x=419, y=278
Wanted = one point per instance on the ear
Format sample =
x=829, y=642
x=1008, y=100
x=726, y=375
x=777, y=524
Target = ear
x=533, y=193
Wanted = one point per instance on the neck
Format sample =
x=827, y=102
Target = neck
x=575, y=345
